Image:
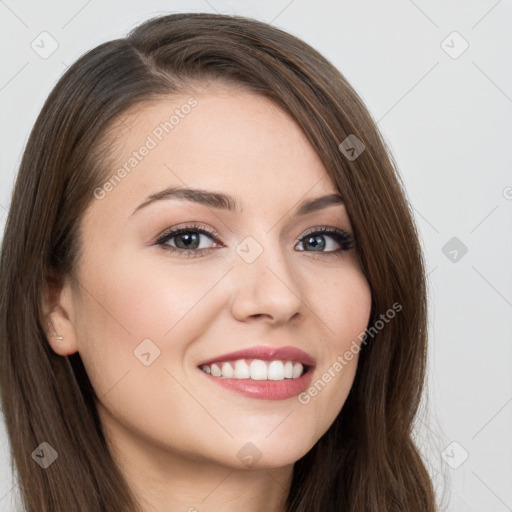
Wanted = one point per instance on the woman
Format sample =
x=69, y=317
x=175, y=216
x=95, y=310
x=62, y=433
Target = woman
x=144, y=370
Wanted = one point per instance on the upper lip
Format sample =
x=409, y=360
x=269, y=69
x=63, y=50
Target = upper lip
x=265, y=353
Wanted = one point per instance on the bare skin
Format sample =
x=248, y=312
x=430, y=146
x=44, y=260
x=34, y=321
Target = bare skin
x=175, y=434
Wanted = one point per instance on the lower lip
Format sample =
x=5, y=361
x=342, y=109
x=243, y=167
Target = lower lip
x=265, y=389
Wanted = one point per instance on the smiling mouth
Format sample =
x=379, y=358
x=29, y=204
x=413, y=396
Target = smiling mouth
x=256, y=369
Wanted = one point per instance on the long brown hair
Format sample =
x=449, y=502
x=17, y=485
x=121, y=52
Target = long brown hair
x=367, y=460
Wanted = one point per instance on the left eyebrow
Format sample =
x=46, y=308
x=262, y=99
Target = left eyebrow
x=221, y=201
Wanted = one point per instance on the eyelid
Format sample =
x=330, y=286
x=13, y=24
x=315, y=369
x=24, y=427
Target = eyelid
x=188, y=227
x=321, y=229
x=344, y=238
x=211, y=232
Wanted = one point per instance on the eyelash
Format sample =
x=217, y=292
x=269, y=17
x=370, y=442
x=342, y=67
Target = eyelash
x=343, y=238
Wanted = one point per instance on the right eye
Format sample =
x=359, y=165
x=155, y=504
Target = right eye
x=187, y=240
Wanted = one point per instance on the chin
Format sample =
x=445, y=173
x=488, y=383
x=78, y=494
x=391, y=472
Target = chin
x=270, y=453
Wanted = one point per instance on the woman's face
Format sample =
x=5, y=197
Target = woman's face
x=147, y=315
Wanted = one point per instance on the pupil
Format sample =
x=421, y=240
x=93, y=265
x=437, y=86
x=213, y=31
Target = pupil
x=317, y=241
x=188, y=239
x=191, y=240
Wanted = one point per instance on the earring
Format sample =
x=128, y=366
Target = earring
x=54, y=335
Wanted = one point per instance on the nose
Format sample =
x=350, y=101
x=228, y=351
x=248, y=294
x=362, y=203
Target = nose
x=267, y=288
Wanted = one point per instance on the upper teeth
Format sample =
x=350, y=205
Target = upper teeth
x=257, y=369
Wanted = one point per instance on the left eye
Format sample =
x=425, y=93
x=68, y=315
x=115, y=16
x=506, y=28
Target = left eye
x=188, y=238
x=316, y=239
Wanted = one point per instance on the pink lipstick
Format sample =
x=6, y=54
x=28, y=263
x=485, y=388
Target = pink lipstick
x=262, y=372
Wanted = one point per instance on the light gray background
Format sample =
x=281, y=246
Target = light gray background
x=447, y=118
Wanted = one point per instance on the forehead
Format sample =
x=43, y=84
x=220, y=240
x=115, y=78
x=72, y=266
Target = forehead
x=224, y=139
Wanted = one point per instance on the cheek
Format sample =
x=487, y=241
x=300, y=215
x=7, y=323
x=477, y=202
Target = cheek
x=137, y=313
x=152, y=295
x=138, y=306
x=343, y=306
x=172, y=305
